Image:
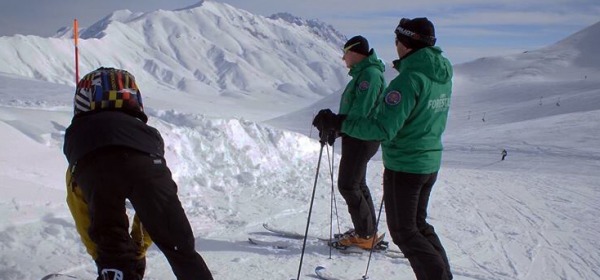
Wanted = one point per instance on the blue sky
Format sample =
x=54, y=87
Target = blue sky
x=466, y=29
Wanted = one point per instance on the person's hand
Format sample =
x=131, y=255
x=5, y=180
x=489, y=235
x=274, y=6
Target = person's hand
x=326, y=120
x=320, y=118
x=327, y=137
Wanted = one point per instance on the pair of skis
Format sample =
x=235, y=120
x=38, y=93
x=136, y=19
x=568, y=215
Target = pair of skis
x=381, y=247
x=320, y=271
x=281, y=244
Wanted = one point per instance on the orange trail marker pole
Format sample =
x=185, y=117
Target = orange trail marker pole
x=75, y=40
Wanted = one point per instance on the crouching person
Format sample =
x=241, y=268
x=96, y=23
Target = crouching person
x=114, y=155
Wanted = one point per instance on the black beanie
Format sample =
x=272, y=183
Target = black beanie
x=416, y=33
x=357, y=44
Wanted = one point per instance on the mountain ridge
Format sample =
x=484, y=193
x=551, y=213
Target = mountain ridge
x=206, y=50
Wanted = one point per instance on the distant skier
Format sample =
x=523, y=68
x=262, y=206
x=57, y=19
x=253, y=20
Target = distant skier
x=504, y=153
x=114, y=155
x=410, y=122
x=359, y=99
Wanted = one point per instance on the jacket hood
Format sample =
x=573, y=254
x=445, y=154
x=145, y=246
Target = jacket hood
x=428, y=61
x=370, y=61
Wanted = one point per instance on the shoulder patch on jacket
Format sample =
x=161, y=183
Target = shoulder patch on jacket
x=393, y=98
x=364, y=85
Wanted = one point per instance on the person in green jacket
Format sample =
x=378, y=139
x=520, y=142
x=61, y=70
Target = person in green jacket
x=409, y=122
x=358, y=100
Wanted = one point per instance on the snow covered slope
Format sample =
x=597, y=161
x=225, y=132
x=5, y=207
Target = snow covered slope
x=555, y=80
x=533, y=216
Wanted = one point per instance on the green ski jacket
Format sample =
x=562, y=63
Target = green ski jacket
x=412, y=114
x=365, y=88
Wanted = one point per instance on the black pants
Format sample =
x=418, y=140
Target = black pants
x=406, y=197
x=109, y=176
x=352, y=183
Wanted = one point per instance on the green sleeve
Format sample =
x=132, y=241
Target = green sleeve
x=390, y=117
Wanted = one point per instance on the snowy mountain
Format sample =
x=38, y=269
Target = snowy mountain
x=530, y=96
x=196, y=54
x=532, y=216
x=549, y=63
x=317, y=27
x=584, y=44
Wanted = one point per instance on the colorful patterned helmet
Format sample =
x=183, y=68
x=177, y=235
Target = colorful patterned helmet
x=109, y=89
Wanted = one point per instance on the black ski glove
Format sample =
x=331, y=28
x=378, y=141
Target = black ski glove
x=326, y=120
x=327, y=137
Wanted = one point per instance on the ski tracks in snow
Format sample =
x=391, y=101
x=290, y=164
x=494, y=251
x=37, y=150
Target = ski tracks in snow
x=517, y=227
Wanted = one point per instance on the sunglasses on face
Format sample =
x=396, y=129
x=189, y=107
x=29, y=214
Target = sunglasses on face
x=347, y=49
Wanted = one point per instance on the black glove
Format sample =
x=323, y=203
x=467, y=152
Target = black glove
x=326, y=120
x=327, y=137
x=319, y=118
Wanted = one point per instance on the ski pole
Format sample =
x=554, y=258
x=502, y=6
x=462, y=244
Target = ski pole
x=337, y=217
x=312, y=199
x=374, y=239
x=333, y=199
x=332, y=202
